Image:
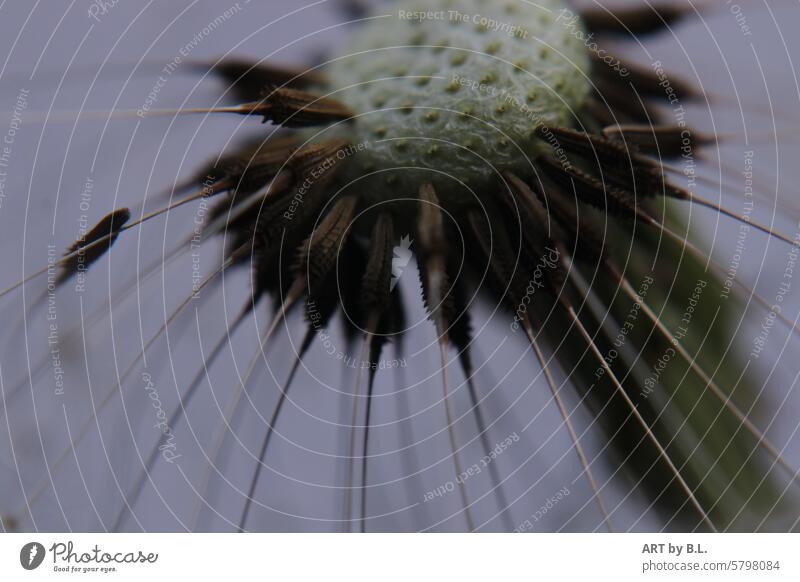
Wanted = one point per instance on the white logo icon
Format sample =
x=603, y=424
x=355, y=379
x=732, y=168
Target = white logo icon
x=400, y=260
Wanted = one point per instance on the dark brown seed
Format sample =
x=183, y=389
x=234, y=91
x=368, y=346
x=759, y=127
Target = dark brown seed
x=593, y=147
x=309, y=168
x=611, y=160
x=502, y=273
x=539, y=232
x=249, y=79
x=460, y=330
x=278, y=225
x=240, y=208
x=637, y=20
x=430, y=228
x=431, y=254
x=376, y=283
x=581, y=238
x=645, y=81
x=224, y=166
x=589, y=189
x=293, y=108
x=249, y=176
x=256, y=153
x=317, y=156
x=599, y=112
x=666, y=141
x=318, y=255
x=98, y=240
x=534, y=216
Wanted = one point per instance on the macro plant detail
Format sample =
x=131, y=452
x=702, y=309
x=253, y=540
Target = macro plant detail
x=512, y=152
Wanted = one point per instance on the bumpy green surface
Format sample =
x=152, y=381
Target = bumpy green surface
x=457, y=87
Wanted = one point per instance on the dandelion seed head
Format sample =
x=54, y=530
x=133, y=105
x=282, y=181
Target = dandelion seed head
x=424, y=72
